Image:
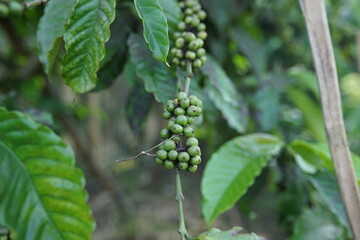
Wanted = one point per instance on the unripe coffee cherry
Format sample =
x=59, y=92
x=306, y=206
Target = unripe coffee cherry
x=195, y=21
x=167, y=115
x=170, y=106
x=164, y=133
x=169, y=164
x=177, y=129
x=188, y=19
x=199, y=112
x=162, y=154
x=195, y=160
x=200, y=52
x=189, y=36
x=189, y=11
x=185, y=103
x=200, y=104
x=193, y=100
x=182, y=120
x=179, y=54
x=184, y=157
x=173, y=155
x=191, y=111
x=176, y=139
x=192, y=142
x=201, y=27
x=177, y=35
x=159, y=161
x=196, y=7
x=200, y=42
x=192, y=168
x=193, y=45
x=194, y=151
x=175, y=61
x=202, y=35
x=202, y=15
x=190, y=55
x=181, y=26
x=173, y=51
x=191, y=120
x=170, y=124
x=197, y=63
x=181, y=95
x=189, y=132
x=183, y=165
x=180, y=42
x=169, y=145
x=190, y=3
x=179, y=111
x=203, y=59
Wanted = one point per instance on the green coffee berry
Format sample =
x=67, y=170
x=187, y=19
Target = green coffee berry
x=170, y=106
x=188, y=19
x=202, y=35
x=194, y=151
x=202, y=15
x=181, y=26
x=195, y=160
x=185, y=103
x=167, y=115
x=169, y=145
x=194, y=100
x=164, y=133
x=170, y=124
x=182, y=120
x=197, y=63
x=193, y=45
x=169, y=164
x=4, y=10
x=191, y=120
x=184, y=157
x=181, y=95
x=183, y=165
x=189, y=11
x=173, y=51
x=179, y=111
x=196, y=7
x=190, y=3
x=173, y=155
x=190, y=55
x=177, y=129
x=200, y=104
x=192, y=142
x=189, y=132
x=189, y=36
x=181, y=4
x=200, y=52
x=179, y=54
x=175, y=61
x=176, y=101
x=192, y=168
x=191, y=111
x=162, y=154
x=159, y=161
x=176, y=139
x=180, y=42
x=200, y=42
x=199, y=112
x=201, y=27
x=177, y=35
x=195, y=21
x=203, y=59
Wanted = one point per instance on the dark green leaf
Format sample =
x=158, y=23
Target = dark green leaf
x=223, y=93
x=42, y=194
x=172, y=13
x=233, y=234
x=155, y=27
x=51, y=30
x=158, y=78
x=85, y=39
x=317, y=224
x=232, y=169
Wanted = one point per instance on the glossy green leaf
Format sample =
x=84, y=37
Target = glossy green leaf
x=51, y=30
x=232, y=169
x=85, y=39
x=224, y=95
x=311, y=112
x=172, y=13
x=155, y=27
x=317, y=224
x=42, y=194
x=233, y=234
x=158, y=78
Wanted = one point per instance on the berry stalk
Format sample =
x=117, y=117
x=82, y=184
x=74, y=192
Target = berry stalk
x=179, y=198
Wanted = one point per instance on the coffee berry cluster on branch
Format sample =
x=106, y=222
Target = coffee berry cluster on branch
x=181, y=148
x=189, y=39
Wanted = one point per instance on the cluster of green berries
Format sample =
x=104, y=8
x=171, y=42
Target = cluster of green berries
x=190, y=37
x=181, y=149
x=11, y=8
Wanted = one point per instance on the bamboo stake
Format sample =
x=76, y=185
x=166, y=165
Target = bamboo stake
x=319, y=34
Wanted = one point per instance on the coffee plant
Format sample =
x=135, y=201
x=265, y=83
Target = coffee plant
x=224, y=89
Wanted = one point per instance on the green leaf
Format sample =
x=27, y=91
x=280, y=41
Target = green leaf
x=155, y=27
x=85, y=38
x=232, y=169
x=42, y=194
x=311, y=112
x=51, y=30
x=172, y=13
x=223, y=93
x=233, y=234
x=317, y=224
x=326, y=185
x=158, y=79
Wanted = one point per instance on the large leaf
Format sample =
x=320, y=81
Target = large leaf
x=232, y=169
x=41, y=192
x=172, y=13
x=155, y=27
x=223, y=93
x=158, y=78
x=311, y=112
x=317, y=224
x=233, y=234
x=51, y=30
x=85, y=39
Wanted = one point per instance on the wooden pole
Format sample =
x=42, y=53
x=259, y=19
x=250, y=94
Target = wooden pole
x=319, y=35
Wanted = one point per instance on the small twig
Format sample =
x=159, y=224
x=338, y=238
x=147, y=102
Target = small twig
x=179, y=198
x=142, y=153
x=35, y=3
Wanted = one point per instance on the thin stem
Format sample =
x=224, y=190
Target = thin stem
x=35, y=3
x=189, y=74
x=147, y=151
x=179, y=198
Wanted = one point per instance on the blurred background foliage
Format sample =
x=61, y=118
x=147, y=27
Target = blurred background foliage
x=262, y=46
